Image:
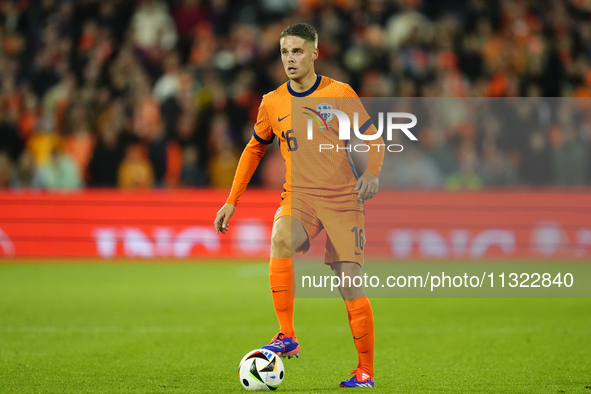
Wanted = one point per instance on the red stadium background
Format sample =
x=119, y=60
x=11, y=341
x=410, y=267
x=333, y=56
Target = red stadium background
x=399, y=225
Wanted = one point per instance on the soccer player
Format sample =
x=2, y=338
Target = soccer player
x=331, y=198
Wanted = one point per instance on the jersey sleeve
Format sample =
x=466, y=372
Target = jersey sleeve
x=263, y=132
x=366, y=127
x=262, y=136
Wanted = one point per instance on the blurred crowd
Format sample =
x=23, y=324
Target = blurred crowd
x=154, y=93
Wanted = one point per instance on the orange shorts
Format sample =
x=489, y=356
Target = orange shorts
x=343, y=223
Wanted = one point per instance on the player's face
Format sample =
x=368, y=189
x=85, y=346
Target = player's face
x=297, y=56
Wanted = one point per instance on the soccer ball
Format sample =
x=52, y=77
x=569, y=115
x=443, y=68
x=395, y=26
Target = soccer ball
x=261, y=370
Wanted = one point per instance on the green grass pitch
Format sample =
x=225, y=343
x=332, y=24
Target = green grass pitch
x=182, y=328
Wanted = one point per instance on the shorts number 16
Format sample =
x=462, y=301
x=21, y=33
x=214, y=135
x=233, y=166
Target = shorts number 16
x=359, y=241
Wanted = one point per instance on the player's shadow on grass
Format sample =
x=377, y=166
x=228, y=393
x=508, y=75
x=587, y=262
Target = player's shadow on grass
x=316, y=390
x=312, y=390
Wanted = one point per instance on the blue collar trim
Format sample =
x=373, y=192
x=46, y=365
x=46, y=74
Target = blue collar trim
x=307, y=92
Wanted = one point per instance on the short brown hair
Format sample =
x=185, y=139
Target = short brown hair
x=302, y=30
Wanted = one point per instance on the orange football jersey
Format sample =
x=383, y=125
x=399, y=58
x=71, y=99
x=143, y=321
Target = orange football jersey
x=321, y=165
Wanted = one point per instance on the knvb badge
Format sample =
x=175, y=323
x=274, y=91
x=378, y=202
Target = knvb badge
x=324, y=110
x=324, y=113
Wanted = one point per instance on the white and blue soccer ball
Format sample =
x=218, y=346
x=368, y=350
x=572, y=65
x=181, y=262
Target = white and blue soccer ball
x=261, y=369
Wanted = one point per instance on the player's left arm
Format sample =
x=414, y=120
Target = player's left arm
x=368, y=183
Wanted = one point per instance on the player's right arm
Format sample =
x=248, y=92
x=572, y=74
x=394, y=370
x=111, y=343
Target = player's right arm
x=262, y=136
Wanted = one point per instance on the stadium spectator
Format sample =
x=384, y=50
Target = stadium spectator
x=43, y=141
x=412, y=169
x=11, y=142
x=135, y=171
x=466, y=177
x=192, y=173
x=79, y=138
x=26, y=174
x=225, y=158
x=188, y=14
x=153, y=29
x=60, y=172
x=5, y=169
x=169, y=84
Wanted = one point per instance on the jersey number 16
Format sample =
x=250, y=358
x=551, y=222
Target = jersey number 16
x=292, y=143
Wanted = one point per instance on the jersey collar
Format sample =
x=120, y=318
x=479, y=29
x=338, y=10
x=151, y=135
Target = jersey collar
x=307, y=92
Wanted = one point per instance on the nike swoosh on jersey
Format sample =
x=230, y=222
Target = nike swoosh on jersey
x=354, y=337
x=280, y=119
x=278, y=291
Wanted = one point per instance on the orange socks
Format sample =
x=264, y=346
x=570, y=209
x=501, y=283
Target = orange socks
x=282, y=285
x=361, y=323
x=359, y=311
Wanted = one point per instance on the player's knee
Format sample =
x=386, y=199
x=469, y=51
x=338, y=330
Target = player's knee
x=347, y=268
x=352, y=290
x=351, y=280
x=281, y=243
